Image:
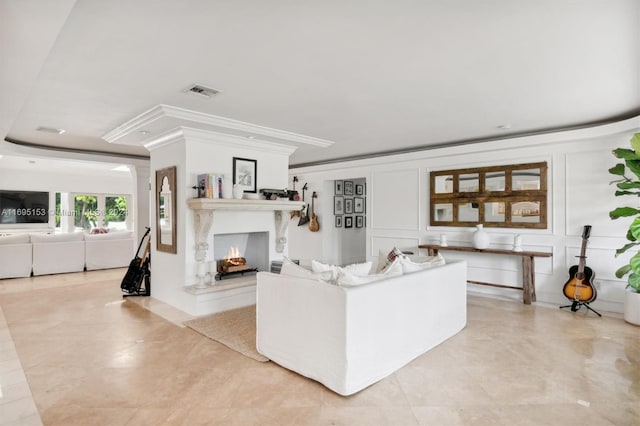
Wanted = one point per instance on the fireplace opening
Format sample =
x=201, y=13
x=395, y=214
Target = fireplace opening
x=238, y=254
x=233, y=264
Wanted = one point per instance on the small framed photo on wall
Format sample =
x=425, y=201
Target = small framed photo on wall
x=359, y=189
x=348, y=221
x=338, y=205
x=359, y=221
x=358, y=205
x=338, y=187
x=348, y=187
x=348, y=205
x=338, y=221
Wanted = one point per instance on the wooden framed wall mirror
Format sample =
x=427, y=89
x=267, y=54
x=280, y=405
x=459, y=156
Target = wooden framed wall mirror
x=509, y=196
x=165, y=210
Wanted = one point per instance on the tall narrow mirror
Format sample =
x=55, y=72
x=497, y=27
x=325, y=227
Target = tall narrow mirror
x=165, y=210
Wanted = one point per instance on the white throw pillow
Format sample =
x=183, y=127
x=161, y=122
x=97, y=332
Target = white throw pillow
x=420, y=263
x=346, y=279
x=294, y=270
x=355, y=268
x=386, y=258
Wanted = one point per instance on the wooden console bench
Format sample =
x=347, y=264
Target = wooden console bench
x=528, y=266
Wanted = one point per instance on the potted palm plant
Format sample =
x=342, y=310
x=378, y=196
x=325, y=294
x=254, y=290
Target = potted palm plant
x=628, y=184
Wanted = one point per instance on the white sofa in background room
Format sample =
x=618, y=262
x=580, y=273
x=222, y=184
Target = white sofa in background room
x=58, y=253
x=112, y=250
x=16, y=255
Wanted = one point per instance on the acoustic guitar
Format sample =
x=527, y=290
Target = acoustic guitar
x=580, y=287
x=314, y=226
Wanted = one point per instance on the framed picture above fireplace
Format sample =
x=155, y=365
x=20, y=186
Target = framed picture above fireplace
x=245, y=173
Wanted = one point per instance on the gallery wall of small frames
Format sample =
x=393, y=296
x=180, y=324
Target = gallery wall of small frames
x=349, y=204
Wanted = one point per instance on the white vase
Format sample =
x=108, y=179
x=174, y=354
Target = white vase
x=480, y=238
x=632, y=307
x=238, y=192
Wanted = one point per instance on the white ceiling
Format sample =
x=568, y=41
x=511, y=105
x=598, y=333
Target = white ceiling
x=369, y=75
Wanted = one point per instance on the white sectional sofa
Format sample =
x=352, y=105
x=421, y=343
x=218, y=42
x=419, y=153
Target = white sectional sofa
x=348, y=338
x=16, y=256
x=22, y=255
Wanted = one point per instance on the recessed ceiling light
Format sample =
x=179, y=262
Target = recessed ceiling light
x=251, y=137
x=51, y=130
x=144, y=132
x=202, y=90
x=504, y=126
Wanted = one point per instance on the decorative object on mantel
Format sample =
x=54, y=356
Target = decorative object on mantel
x=517, y=243
x=210, y=185
x=481, y=238
x=238, y=192
x=245, y=174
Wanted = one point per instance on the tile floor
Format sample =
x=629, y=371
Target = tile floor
x=90, y=358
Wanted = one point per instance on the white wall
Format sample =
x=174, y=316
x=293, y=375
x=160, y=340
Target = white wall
x=579, y=194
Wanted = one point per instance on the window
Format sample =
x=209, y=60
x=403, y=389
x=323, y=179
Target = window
x=512, y=196
x=88, y=211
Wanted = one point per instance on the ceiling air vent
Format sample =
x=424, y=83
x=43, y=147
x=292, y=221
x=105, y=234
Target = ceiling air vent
x=201, y=90
x=50, y=130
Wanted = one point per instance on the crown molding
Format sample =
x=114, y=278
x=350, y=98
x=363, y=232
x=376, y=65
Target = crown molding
x=219, y=139
x=164, y=118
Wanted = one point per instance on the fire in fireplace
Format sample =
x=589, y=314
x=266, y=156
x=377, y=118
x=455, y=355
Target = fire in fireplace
x=233, y=263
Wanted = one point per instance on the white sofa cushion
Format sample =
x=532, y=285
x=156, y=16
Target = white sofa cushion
x=57, y=238
x=346, y=279
x=355, y=268
x=58, y=257
x=15, y=239
x=294, y=270
x=418, y=263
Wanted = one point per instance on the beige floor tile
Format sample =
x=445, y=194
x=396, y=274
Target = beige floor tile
x=90, y=357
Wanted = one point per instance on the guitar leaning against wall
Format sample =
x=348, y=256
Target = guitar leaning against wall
x=579, y=288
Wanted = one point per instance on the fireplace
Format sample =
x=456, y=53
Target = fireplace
x=233, y=264
x=238, y=254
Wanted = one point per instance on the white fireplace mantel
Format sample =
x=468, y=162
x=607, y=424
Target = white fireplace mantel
x=234, y=204
x=204, y=208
